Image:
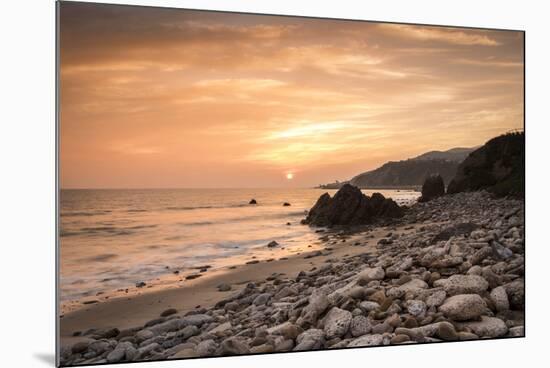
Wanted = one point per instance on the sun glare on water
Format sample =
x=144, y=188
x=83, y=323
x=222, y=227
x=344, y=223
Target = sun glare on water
x=289, y=176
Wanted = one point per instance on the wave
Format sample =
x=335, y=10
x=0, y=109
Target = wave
x=85, y=213
x=106, y=230
x=287, y=216
x=191, y=208
x=198, y=223
x=100, y=258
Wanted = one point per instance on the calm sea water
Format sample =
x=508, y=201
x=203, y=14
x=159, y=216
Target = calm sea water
x=114, y=238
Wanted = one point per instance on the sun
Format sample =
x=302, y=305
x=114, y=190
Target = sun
x=289, y=176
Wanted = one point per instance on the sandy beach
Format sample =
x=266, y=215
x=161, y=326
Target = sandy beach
x=203, y=292
x=449, y=269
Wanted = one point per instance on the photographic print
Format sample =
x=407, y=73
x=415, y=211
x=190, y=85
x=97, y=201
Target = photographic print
x=236, y=184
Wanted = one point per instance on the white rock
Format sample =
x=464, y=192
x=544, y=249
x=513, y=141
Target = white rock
x=367, y=340
x=463, y=307
x=436, y=299
x=487, y=327
x=370, y=274
x=416, y=307
x=337, y=322
x=463, y=284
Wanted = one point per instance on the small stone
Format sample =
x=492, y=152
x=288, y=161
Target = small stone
x=463, y=307
x=337, y=322
x=184, y=353
x=436, y=299
x=140, y=284
x=370, y=274
x=487, y=327
x=382, y=328
x=466, y=336
x=399, y=339
x=231, y=306
x=475, y=270
x=168, y=312
x=288, y=330
x=516, y=294
x=224, y=287
x=417, y=308
x=500, y=299
x=446, y=331
x=311, y=339
x=262, y=299
x=378, y=297
x=261, y=349
x=394, y=320
x=410, y=322
x=206, y=348
x=367, y=340
x=368, y=306
x=272, y=244
x=463, y=284
x=284, y=345
x=480, y=255
x=193, y=276
x=79, y=347
x=516, y=331
x=234, y=346
x=413, y=286
x=317, y=304
x=360, y=325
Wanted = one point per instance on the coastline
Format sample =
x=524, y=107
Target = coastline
x=451, y=269
x=146, y=306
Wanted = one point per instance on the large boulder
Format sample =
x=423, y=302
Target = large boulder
x=337, y=322
x=463, y=307
x=433, y=187
x=486, y=327
x=516, y=294
x=350, y=206
x=463, y=284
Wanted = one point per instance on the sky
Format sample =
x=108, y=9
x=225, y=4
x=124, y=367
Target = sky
x=155, y=98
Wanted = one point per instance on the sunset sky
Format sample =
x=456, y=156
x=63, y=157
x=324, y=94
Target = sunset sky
x=156, y=97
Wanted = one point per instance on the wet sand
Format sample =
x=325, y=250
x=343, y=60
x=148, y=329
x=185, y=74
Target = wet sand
x=136, y=310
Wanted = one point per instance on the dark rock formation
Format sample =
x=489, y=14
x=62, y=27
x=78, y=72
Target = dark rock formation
x=286, y=204
x=252, y=201
x=497, y=167
x=350, y=206
x=433, y=187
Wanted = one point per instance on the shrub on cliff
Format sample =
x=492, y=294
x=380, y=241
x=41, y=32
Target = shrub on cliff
x=498, y=166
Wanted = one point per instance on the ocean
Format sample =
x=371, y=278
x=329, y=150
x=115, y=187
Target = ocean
x=113, y=238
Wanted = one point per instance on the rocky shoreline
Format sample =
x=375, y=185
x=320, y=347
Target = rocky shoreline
x=456, y=273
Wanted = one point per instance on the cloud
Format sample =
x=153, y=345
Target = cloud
x=457, y=37
x=491, y=63
x=179, y=94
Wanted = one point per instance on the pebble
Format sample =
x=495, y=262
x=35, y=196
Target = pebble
x=463, y=307
x=409, y=290
x=337, y=322
x=360, y=325
x=169, y=312
x=500, y=299
x=224, y=287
